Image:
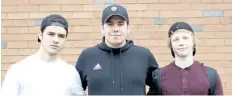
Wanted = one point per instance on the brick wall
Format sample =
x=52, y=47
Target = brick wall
x=150, y=20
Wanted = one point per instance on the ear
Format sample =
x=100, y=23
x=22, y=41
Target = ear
x=40, y=35
x=102, y=27
x=128, y=31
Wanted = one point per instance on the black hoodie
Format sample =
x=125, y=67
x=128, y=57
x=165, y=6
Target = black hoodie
x=116, y=71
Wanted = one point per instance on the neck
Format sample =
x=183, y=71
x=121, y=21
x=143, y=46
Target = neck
x=115, y=45
x=184, y=62
x=45, y=56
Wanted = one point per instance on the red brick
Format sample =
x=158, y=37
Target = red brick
x=83, y=15
x=217, y=28
x=35, y=29
x=71, y=51
x=24, y=23
x=204, y=35
x=190, y=1
x=9, y=9
x=147, y=14
x=223, y=49
x=222, y=6
x=71, y=8
x=225, y=35
x=81, y=29
x=228, y=85
x=224, y=20
x=28, y=8
x=164, y=57
x=153, y=28
x=84, y=22
x=212, y=1
x=50, y=8
x=98, y=15
x=7, y=22
x=229, y=71
x=136, y=6
x=168, y=1
x=158, y=50
x=84, y=36
x=96, y=29
x=71, y=58
x=38, y=15
x=17, y=44
x=79, y=44
x=227, y=92
x=221, y=71
x=228, y=41
x=15, y=37
x=227, y=13
x=138, y=35
x=158, y=35
x=17, y=30
x=210, y=57
x=210, y=42
x=205, y=50
x=142, y=21
x=12, y=59
x=5, y=67
x=15, y=2
x=4, y=30
x=192, y=13
x=202, y=6
x=215, y=64
x=210, y=20
x=229, y=56
x=61, y=2
x=17, y=16
x=169, y=7
x=125, y=1
x=147, y=1
x=26, y=52
x=227, y=0
x=64, y=14
x=9, y=52
x=33, y=44
x=98, y=7
x=149, y=43
x=3, y=74
x=4, y=16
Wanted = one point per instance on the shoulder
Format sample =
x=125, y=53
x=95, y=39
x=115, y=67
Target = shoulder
x=141, y=49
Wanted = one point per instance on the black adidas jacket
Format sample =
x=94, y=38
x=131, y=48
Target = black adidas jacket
x=121, y=71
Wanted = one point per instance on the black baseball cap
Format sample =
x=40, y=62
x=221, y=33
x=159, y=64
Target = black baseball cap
x=54, y=20
x=112, y=10
x=177, y=26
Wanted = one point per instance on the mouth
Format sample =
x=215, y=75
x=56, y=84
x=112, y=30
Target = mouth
x=55, y=46
x=182, y=49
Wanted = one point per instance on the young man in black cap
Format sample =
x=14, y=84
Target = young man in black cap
x=116, y=66
x=43, y=73
x=185, y=76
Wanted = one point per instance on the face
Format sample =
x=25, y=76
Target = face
x=115, y=30
x=53, y=39
x=182, y=43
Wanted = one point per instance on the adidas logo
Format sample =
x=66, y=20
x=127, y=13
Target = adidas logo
x=97, y=67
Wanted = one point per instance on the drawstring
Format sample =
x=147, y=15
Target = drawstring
x=121, y=71
x=112, y=68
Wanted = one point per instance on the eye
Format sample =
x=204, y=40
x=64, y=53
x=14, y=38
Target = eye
x=51, y=34
x=110, y=24
x=175, y=39
x=185, y=37
x=62, y=36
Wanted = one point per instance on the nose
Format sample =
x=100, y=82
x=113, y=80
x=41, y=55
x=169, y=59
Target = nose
x=116, y=28
x=55, y=39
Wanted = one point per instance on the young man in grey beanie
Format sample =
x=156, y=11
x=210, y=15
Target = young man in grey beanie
x=43, y=73
x=116, y=66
